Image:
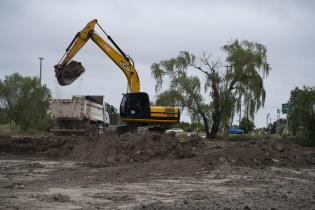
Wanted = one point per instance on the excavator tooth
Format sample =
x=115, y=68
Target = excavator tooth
x=67, y=74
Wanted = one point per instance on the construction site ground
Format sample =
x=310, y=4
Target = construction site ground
x=154, y=171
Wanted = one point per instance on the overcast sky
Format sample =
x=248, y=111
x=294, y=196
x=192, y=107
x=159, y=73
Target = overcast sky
x=150, y=31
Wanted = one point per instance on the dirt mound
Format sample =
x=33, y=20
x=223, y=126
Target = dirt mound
x=257, y=153
x=110, y=149
x=105, y=149
x=20, y=145
x=135, y=147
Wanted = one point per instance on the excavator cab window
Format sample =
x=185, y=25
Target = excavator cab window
x=135, y=105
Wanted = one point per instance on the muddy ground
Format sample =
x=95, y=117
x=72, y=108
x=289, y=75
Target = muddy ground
x=153, y=171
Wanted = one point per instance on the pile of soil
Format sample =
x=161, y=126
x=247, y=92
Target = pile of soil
x=135, y=147
x=258, y=153
x=107, y=148
x=27, y=145
x=110, y=149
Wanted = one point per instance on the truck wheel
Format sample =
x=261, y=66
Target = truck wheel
x=92, y=130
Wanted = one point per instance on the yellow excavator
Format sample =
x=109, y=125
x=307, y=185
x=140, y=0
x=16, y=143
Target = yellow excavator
x=135, y=109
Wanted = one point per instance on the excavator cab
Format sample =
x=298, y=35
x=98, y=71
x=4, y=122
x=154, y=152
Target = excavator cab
x=135, y=105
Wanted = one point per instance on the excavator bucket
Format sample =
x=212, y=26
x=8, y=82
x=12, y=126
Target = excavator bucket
x=67, y=74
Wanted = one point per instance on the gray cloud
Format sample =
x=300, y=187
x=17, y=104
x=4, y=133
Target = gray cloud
x=153, y=30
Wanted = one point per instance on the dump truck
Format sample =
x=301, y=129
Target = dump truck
x=81, y=115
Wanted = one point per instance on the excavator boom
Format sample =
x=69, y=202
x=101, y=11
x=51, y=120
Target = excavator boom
x=67, y=70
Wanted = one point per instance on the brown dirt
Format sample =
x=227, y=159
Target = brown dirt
x=153, y=171
x=113, y=149
x=109, y=148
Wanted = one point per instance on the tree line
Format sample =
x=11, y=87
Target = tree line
x=24, y=102
x=301, y=115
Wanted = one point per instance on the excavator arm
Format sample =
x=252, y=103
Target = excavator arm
x=68, y=70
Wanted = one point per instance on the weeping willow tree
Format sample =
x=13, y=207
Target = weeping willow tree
x=245, y=78
x=184, y=90
x=242, y=82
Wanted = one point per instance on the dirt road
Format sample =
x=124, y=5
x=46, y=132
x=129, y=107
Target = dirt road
x=154, y=172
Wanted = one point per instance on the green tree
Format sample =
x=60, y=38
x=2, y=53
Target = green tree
x=243, y=81
x=247, y=125
x=113, y=114
x=301, y=116
x=3, y=116
x=249, y=67
x=184, y=89
x=25, y=101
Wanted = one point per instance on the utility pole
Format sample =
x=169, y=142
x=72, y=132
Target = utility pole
x=40, y=68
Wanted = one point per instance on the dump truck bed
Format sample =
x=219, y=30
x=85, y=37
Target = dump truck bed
x=76, y=109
